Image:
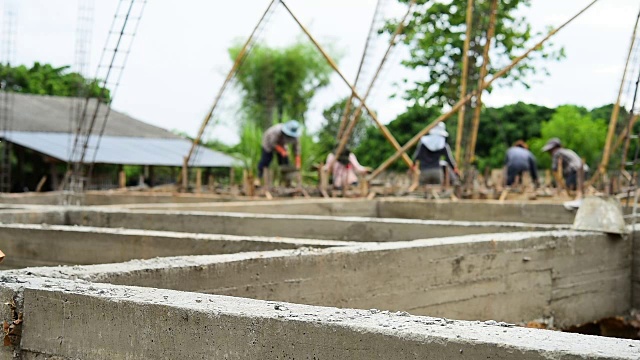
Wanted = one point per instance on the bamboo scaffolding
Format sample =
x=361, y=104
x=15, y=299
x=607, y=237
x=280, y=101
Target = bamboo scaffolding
x=236, y=65
x=356, y=115
x=463, y=81
x=363, y=104
x=483, y=73
x=464, y=100
x=613, y=122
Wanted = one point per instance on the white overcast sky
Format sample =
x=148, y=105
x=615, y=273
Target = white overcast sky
x=179, y=58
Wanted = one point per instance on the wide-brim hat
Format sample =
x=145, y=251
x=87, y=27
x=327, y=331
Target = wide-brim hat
x=440, y=129
x=551, y=144
x=292, y=128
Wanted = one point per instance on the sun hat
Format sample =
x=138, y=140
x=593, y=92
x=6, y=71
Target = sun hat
x=439, y=129
x=292, y=128
x=551, y=144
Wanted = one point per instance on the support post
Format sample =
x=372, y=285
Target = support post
x=463, y=81
x=464, y=100
x=122, y=179
x=471, y=154
x=211, y=183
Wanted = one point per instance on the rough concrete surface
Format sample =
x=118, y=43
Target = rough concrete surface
x=51, y=245
x=74, y=320
x=515, y=277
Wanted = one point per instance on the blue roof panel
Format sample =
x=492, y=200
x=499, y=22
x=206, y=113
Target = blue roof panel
x=122, y=150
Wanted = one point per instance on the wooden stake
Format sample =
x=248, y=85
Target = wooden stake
x=463, y=81
x=464, y=100
x=185, y=175
x=483, y=74
x=211, y=183
x=122, y=179
x=41, y=183
x=198, y=181
x=232, y=176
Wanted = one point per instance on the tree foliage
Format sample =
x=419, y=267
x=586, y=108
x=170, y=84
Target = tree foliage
x=577, y=130
x=45, y=79
x=435, y=37
x=280, y=82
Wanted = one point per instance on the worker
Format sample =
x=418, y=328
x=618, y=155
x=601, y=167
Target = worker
x=432, y=148
x=519, y=160
x=276, y=139
x=345, y=168
x=571, y=162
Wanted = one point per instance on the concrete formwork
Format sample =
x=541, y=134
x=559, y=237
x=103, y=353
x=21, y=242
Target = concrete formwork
x=72, y=320
x=576, y=277
x=298, y=226
x=467, y=210
x=50, y=245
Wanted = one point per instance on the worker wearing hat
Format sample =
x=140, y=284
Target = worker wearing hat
x=276, y=138
x=431, y=149
x=571, y=162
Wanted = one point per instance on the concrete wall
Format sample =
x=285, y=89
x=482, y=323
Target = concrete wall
x=34, y=215
x=50, y=245
x=574, y=276
x=469, y=210
x=67, y=320
x=297, y=226
x=321, y=207
x=405, y=208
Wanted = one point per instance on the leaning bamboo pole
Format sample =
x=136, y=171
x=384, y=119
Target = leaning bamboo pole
x=463, y=81
x=483, y=73
x=613, y=122
x=335, y=67
x=234, y=69
x=370, y=35
x=464, y=100
x=356, y=115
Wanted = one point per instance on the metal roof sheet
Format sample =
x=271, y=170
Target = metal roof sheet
x=125, y=150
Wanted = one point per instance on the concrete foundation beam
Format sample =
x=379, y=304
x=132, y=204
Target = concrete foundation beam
x=52, y=245
x=70, y=320
x=576, y=277
x=296, y=226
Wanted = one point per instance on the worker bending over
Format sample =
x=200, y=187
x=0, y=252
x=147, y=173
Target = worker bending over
x=276, y=139
x=518, y=161
x=571, y=162
x=344, y=169
x=432, y=148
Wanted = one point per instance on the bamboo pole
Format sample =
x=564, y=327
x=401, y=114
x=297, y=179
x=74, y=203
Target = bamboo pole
x=464, y=100
x=463, y=81
x=332, y=63
x=347, y=107
x=483, y=73
x=613, y=122
x=230, y=75
x=356, y=115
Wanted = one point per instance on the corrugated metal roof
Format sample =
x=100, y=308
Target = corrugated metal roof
x=125, y=150
x=52, y=113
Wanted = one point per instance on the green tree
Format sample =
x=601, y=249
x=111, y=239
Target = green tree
x=374, y=148
x=45, y=79
x=577, y=130
x=329, y=128
x=501, y=127
x=280, y=82
x=435, y=36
